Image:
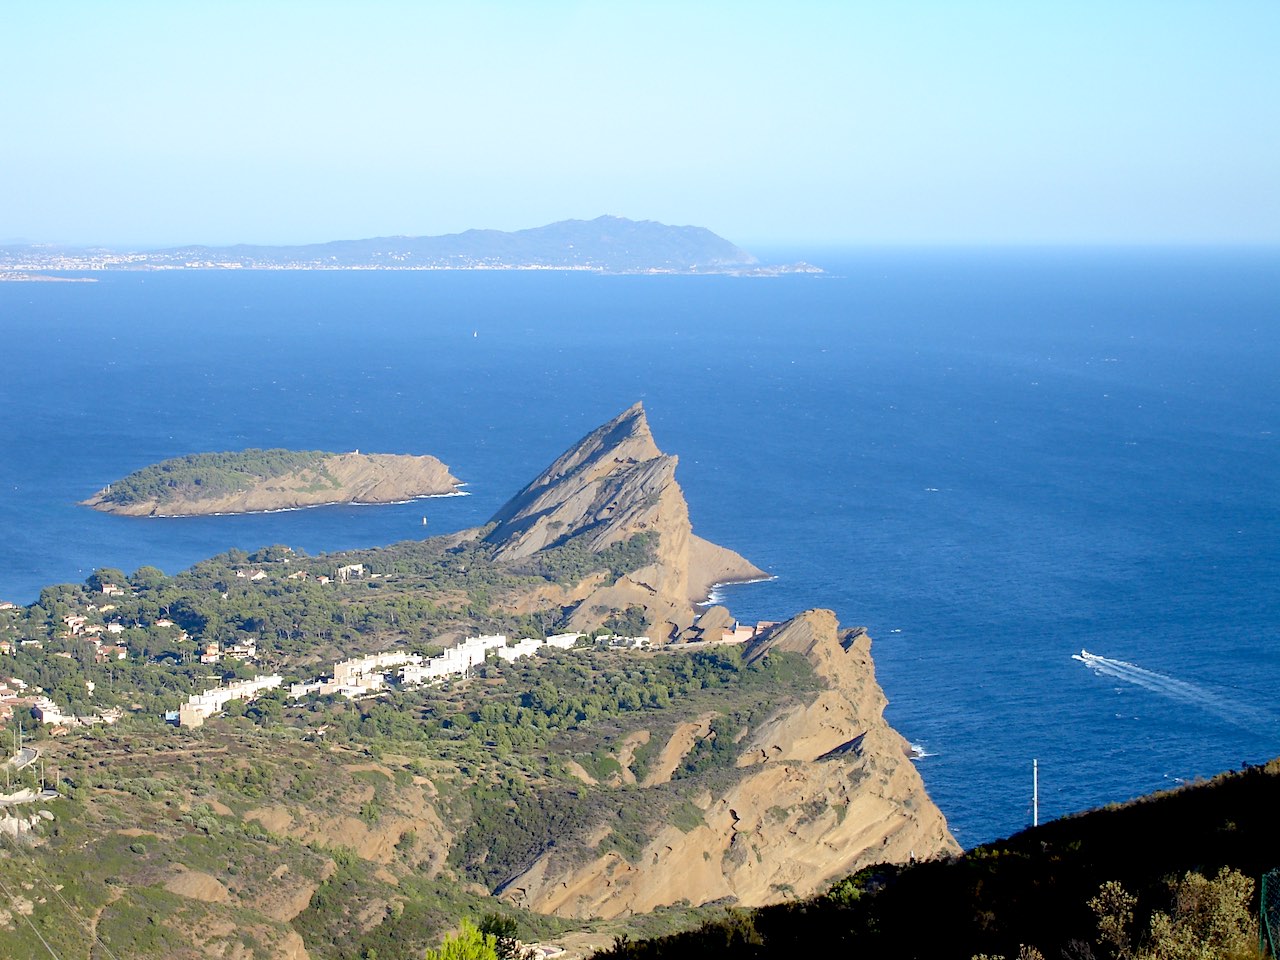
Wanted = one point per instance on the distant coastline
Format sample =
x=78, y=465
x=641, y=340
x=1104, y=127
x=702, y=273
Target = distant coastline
x=18, y=276
x=606, y=245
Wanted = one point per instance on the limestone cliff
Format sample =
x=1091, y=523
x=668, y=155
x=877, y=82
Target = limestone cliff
x=611, y=485
x=824, y=788
x=338, y=478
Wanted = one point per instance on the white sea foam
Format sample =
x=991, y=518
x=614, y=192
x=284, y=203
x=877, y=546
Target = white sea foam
x=715, y=596
x=716, y=593
x=1172, y=688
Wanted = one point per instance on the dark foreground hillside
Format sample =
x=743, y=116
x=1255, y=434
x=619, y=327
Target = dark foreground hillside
x=1032, y=888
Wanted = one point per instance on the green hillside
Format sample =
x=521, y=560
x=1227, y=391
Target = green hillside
x=353, y=828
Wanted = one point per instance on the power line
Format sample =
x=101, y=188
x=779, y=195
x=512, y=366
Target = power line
x=12, y=899
x=61, y=899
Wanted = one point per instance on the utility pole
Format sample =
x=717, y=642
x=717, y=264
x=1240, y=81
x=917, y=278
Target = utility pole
x=1035, y=793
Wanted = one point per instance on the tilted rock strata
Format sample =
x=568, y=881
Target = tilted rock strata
x=346, y=478
x=826, y=789
x=613, y=484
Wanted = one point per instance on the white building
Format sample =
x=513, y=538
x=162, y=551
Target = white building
x=455, y=661
x=201, y=706
x=357, y=677
x=563, y=641
x=531, y=645
x=350, y=570
x=349, y=670
x=46, y=711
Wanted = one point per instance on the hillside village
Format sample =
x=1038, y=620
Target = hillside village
x=100, y=627
x=367, y=676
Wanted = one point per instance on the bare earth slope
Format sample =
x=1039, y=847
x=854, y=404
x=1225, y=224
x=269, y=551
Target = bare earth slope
x=342, y=478
x=611, y=485
x=826, y=788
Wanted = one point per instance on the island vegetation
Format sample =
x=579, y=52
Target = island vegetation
x=200, y=476
x=253, y=480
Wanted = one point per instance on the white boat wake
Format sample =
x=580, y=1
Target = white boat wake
x=1254, y=718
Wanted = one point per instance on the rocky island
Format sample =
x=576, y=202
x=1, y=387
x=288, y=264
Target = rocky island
x=255, y=481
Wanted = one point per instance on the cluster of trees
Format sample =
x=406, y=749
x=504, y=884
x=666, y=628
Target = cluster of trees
x=565, y=693
x=423, y=589
x=570, y=562
x=511, y=824
x=210, y=475
x=494, y=939
x=555, y=694
x=1207, y=918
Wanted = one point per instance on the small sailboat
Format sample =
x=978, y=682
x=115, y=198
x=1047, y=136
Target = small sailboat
x=424, y=521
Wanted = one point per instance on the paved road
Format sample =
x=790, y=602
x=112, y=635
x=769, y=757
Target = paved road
x=23, y=758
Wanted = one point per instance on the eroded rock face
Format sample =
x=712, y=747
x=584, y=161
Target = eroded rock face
x=826, y=788
x=611, y=485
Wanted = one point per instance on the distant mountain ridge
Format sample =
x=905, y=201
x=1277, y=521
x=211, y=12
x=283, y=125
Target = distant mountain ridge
x=606, y=244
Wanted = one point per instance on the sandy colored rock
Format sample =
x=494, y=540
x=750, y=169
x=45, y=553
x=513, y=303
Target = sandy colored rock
x=197, y=885
x=627, y=754
x=676, y=749
x=579, y=772
x=711, y=624
x=611, y=485
x=291, y=947
x=275, y=819
x=287, y=895
x=826, y=787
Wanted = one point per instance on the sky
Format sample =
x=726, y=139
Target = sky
x=140, y=124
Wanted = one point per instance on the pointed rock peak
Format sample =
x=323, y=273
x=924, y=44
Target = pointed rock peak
x=611, y=486
x=635, y=411
x=629, y=430
x=625, y=441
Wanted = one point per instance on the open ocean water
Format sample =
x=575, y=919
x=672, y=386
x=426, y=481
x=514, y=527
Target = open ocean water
x=991, y=459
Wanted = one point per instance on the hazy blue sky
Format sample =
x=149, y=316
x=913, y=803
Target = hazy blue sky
x=1122, y=121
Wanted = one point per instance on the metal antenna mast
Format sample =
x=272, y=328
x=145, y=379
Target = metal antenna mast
x=1035, y=793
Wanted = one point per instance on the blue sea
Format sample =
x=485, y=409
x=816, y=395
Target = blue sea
x=992, y=459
